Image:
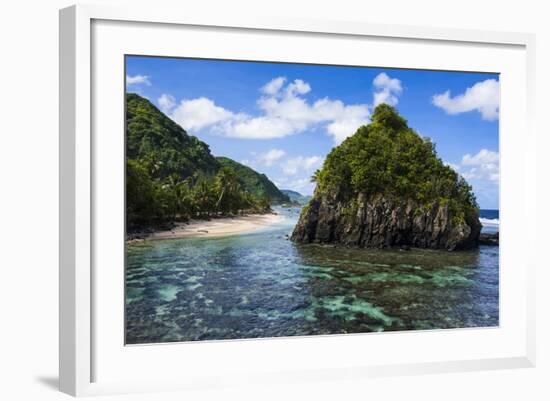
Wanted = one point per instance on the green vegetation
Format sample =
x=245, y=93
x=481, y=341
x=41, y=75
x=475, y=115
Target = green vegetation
x=156, y=140
x=253, y=182
x=387, y=157
x=172, y=176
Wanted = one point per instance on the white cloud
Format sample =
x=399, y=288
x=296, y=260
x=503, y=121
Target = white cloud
x=484, y=156
x=273, y=86
x=296, y=171
x=137, y=80
x=256, y=128
x=383, y=81
x=350, y=118
x=341, y=129
x=301, y=164
x=294, y=114
x=302, y=185
x=385, y=97
x=387, y=89
x=199, y=113
x=298, y=87
x=485, y=172
x=484, y=97
x=166, y=103
x=484, y=166
x=271, y=156
x=264, y=159
x=481, y=170
x=284, y=112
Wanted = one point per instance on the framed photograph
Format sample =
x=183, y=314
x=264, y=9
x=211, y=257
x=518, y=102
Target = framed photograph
x=274, y=200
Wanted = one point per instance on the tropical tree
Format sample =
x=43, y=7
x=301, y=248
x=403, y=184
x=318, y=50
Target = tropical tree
x=227, y=189
x=204, y=196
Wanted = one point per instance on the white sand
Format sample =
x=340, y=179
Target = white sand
x=218, y=227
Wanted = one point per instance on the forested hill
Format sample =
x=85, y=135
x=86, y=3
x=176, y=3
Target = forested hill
x=153, y=137
x=255, y=183
x=171, y=175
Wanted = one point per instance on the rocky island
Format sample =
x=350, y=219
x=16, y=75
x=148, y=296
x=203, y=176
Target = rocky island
x=385, y=187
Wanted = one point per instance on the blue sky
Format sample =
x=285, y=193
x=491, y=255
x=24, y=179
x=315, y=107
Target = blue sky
x=283, y=119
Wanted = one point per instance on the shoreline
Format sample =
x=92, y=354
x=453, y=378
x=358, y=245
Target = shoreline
x=215, y=227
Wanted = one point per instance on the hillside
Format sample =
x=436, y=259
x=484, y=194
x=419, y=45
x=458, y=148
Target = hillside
x=385, y=186
x=152, y=136
x=171, y=175
x=296, y=197
x=255, y=183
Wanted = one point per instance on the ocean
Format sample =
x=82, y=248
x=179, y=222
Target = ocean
x=262, y=285
x=489, y=219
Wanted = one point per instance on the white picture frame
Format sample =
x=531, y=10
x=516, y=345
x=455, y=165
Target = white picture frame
x=82, y=344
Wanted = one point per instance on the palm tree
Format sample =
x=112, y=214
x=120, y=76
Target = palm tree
x=315, y=176
x=203, y=195
x=183, y=199
x=174, y=188
x=152, y=164
x=226, y=187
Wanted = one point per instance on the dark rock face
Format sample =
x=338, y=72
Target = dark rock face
x=378, y=222
x=488, y=239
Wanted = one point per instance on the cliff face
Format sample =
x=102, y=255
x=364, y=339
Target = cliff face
x=385, y=186
x=376, y=222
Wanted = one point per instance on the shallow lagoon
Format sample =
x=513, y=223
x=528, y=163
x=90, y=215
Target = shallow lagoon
x=262, y=285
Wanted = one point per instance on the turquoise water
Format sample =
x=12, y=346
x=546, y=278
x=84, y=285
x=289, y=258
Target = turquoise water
x=262, y=285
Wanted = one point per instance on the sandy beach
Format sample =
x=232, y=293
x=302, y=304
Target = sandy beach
x=218, y=227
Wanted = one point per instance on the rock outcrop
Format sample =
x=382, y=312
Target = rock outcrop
x=384, y=186
x=489, y=239
x=376, y=222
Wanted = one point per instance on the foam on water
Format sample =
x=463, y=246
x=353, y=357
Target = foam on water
x=489, y=222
